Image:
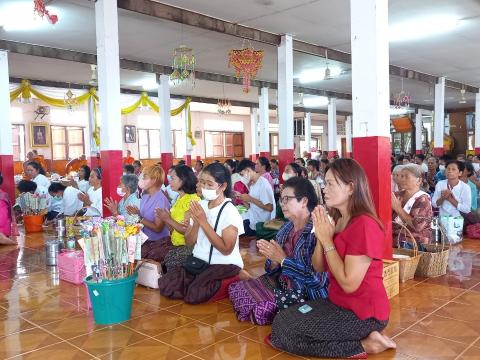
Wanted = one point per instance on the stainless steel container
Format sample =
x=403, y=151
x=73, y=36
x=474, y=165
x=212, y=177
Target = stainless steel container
x=61, y=223
x=52, y=248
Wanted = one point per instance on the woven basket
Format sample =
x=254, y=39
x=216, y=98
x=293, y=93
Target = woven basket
x=407, y=267
x=434, y=260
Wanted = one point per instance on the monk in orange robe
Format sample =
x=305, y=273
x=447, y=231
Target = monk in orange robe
x=129, y=159
x=76, y=164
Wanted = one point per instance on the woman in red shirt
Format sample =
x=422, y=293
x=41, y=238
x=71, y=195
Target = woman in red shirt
x=350, y=248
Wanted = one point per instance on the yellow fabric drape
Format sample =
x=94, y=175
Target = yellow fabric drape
x=26, y=91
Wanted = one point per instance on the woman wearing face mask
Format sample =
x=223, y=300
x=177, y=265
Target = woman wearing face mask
x=350, y=248
x=260, y=200
x=289, y=272
x=184, y=182
x=291, y=170
x=158, y=243
x=68, y=195
x=92, y=200
x=128, y=193
x=213, y=234
x=167, y=190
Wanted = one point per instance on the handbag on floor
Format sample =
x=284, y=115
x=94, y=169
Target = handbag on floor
x=196, y=266
x=149, y=271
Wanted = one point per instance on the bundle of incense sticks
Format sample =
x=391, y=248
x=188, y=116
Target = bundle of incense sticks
x=111, y=246
x=32, y=204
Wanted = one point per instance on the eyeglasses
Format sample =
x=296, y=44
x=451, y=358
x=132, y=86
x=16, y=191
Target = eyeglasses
x=284, y=199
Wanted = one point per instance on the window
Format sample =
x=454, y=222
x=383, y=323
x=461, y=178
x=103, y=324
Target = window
x=18, y=142
x=224, y=144
x=274, y=144
x=67, y=142
x=178, y=143
x=149, y=143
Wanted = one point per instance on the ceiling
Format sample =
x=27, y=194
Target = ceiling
x=322, y=22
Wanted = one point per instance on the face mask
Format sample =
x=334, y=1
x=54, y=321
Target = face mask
x=124, y=173
x=169, y=178
x=209, y=194
x=442, y=167
x=120, y=192
x=286, y=176
x=58, y=197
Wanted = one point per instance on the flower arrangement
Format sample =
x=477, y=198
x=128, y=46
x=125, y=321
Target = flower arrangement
x=111, y=246
x=32, y=204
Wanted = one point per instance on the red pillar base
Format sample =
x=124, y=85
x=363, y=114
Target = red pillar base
x=167, y=162
x=265, y=154
x=93, y=162
x=438, y=151
x=477, y=151
x=332, y=154
x=348, y=155
x=112, y=170
x=254, y=157
x=7, y=171
x=418, y=152
x=188, y=160
x=373, y=154
x=285, y=157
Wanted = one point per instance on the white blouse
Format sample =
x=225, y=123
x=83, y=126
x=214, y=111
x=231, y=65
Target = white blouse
x=95, y=196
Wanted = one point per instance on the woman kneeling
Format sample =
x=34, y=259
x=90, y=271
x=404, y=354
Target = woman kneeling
x=290, y=277
x=350, y=248
x=215, y=226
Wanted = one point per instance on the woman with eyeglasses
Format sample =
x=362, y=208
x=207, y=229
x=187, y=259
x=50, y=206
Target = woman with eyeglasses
x=290, y=277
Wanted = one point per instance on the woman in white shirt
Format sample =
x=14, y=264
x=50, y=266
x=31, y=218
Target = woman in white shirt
x=84, y=177
x=92, y=201
x=218, y=249
x=452, y=196
x=69, y=197
x=37, y=174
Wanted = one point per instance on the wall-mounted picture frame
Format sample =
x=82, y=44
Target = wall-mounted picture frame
x=39, y=135
x=130, y=134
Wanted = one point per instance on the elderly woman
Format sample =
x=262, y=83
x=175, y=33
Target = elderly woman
x=158, y=243
x=127, y=190
x=290, y=277
x=412, y=206
x=395, y=177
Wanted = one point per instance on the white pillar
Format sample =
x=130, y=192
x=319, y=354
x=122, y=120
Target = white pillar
x=254, y=131
x=108, y=74
x=285, y=101
x=332, y=127
x=371, y=103
x=165, y=126
x=188, y=142
x=418, y=132
x=6, y=147
x=264, y=148
x=477, y=123
x=108, y=66
x=348, y=134
x=324, y=140
x=308, y=131
x=439, y=117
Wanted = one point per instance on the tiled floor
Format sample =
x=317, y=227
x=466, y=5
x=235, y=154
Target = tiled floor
x=44, y=318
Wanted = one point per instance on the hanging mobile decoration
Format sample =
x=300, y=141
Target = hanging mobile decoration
x=402, y=99
x=246, y=62
x=224, y=107
x=40, y=9
x=70, y=100
x=183, y=65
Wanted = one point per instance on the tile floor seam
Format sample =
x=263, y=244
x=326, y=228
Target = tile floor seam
x=31, y=351
x=161, y=333
x=440, y=337
x=468, y=348
x=209, y=345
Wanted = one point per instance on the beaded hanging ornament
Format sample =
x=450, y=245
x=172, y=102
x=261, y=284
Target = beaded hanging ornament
x=40, y=9
x=246, y=63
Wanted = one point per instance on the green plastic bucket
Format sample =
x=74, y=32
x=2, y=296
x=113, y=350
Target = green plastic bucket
x=111, y=299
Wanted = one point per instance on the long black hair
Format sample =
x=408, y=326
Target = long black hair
x=37, y=167
x=221, y=175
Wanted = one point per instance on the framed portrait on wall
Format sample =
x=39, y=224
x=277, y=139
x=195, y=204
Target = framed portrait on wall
x=130, y=134
x=39, y=135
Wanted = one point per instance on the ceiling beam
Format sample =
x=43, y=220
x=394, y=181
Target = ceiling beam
x=205, y=100
x=205, y=22
x=125, y=64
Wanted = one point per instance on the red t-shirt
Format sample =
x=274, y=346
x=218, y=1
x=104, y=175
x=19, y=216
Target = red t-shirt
x=363, y=236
